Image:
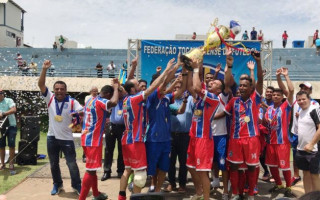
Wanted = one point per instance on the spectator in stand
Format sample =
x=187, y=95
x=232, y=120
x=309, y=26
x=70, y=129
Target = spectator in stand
x=55, y=46
x=284, y=39
x=61, y=41
x=99, y=69
x=21, y=63
x=253, y=34
x=245, y=35
x=194, y=36
x=8, y=108
x=260, y=35
x=110, y=68
x=315, y=37
x=308, y=157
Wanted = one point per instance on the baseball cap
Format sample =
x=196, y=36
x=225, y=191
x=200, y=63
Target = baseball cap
x=306, y=84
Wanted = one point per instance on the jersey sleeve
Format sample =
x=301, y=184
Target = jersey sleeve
x=137, y=98
x=229, y=106
x=47, y=95
x=76, y=106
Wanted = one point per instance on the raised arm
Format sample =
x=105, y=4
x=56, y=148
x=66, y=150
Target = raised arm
x=216, y=71
x=280, y=83
x=250, y=66
x=42, y=79
x=285, y=73
x=159, y=80
x=133, y=68
x=228, y=78
x=259, y=85
x=183, y=106
x=196, y=78
x=115, y=97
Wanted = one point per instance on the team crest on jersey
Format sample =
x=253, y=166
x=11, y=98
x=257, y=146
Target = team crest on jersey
x=253, y=155
x=230, y=153
x=282, y=162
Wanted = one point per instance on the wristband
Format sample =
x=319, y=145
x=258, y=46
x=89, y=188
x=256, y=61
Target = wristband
x=230, y=66
x=185, y=74
x=196, y=70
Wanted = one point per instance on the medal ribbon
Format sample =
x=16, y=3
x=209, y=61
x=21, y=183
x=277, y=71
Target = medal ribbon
x=247, y=108
x=59, y=110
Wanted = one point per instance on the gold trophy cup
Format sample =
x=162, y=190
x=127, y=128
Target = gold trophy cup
x=213, y=41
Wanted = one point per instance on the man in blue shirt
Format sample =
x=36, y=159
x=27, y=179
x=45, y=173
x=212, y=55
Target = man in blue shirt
x=180, y=126
x=116, y=129
x=158, y=135
x=253, y=34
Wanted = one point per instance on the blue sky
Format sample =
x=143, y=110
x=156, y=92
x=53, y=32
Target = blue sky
x=109, y=23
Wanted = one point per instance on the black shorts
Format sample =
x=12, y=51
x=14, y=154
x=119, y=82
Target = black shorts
x=308, y=161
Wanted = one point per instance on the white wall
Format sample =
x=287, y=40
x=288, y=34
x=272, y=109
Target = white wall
x=1, y=13
x=6, y=41
x=13, y=16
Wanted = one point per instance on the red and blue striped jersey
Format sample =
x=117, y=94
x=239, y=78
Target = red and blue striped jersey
x=203, y=114
x=94, y=120
x=134, y=114
x=245, y=116
x=278, y=120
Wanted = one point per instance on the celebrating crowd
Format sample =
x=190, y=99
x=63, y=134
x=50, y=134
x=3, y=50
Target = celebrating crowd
x=200, y=122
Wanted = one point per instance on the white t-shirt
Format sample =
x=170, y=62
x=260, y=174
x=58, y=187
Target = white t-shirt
x=307, y=127
x=111, y=67
x=296, y=108
x=61, y=129
x=219, y=126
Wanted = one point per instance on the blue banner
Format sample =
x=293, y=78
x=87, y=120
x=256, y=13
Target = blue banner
x=158, y=52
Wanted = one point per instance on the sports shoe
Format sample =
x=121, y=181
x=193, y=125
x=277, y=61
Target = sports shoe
x=250, y=198
x=101, y=196
x=77, y=189
x=235, y=197
x=215, y=183
x=196, y=197
x=121, y=197
x=56, y=189
x=266, y=176
x=288, y=193
x=169, y=188
x=106, y=176
x=255, y=190
x=276, y=188
x=225, y=196
x=295, y=180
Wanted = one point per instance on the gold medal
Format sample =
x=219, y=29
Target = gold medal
x=198, y=112
x=119, y=112
x=58, y=118
x=247, y=119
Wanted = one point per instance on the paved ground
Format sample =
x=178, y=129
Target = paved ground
x=39, y=185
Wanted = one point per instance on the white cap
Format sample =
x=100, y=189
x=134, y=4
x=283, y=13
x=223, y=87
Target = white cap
x=306, y=84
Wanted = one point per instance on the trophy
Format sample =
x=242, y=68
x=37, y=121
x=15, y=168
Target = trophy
x=214, y=39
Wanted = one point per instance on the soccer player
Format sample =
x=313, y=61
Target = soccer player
x=277, y=119
x=158, y=136
x=133, y=147
x=96, y=112
x=200, y=150
x=244, y=144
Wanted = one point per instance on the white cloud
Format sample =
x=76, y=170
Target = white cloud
x=109, y=23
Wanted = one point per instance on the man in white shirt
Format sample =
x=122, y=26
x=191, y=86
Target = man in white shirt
x=110, y=68
x=60, y=136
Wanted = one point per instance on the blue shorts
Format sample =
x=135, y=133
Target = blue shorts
x=220, y=151
x=158, y=156
x=11, y=135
